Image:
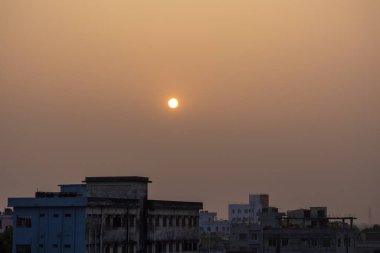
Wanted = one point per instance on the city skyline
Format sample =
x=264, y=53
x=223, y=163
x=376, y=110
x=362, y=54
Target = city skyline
x=277, y=98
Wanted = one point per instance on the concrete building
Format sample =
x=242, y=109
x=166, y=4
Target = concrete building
x=257, y=202
x=209, y=223
x=104, y=214
x=245, y=237
x=250, y=212
x=270, y=217
x=6, y=219
x=302, y=230
x=370, y=240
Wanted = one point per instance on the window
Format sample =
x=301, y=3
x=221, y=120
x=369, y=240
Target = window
x=171, y=219
x=170, y=247
x=42, y=215
x=55, y=245
x=56, y=215
x=314, y=243
x=117, y=221
x=67, y=246
x=233, y=210
x=157, y=221
x=254, y=236
x=242, y=236
x=132, y=221
x=245, y=211
x=24, y=222
x=164, y=221
x=284, y=242
x=115, y=248
x=339, y=242
x=272, y=242
x=108, y=220
x=23, y=248
x=326, y=243
x=239, y=211
x=183, y=221
x=67, y=215
x=41, y=245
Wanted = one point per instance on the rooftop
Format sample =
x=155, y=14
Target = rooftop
x=117, y=179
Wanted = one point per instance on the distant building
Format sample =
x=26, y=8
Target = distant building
x=105, y=214
x=245, y=237
x=370, y=240
x=271, y=218
x=302, y=230
x=6, y=219
x=209, y=223
x=248, y=213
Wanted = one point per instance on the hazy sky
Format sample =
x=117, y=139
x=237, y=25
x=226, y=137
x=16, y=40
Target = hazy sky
x=278, y=97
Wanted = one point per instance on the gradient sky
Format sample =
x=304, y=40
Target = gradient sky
x=278, y=97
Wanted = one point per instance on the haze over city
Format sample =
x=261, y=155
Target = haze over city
x=274, y=97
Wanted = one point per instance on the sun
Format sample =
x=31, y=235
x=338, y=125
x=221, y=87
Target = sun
x=173, y=103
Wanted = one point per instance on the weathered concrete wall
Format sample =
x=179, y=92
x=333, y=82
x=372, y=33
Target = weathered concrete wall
x=127, y=190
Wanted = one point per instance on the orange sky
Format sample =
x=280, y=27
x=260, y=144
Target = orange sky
x=278, y=97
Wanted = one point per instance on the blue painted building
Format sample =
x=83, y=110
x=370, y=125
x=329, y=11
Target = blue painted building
x=50, y=222
x=104, y=215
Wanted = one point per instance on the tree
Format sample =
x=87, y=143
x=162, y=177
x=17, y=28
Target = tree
x=6, y=241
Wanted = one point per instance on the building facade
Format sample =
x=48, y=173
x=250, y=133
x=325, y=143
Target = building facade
x=250, y=212
x=6, y=219
x=209, y=223
x=104, y=214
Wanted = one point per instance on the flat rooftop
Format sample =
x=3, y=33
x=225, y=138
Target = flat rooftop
x=117, y=179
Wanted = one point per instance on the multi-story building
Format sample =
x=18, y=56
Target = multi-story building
x=6, y=219
x=245, y=237
x=209, y=223
x=303, y=230
x=248, y=213
x=257, y=202
x=105, y=214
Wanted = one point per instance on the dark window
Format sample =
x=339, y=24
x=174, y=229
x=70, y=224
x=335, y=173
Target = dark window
x=157, y=221
x=177, y=247
x=314, y=243
x=107, y=249
x=339, y=242
x=177, y=221
x=56, y=215
x=131, y=221
x=115, y=248
x=23, y=249
x=117, y=221
x=326, y=243
x=183, y=221
x=55, y=245
x=254, y=236
x=171, y=221
x=24, y=222
x=164, y=221
x=108, y=221
x=242, y=236
x=67, y=246
x=284, y=242
x=41, y=245
x=272, y=242
x=67, y=215
x=171, y=247
x=42, y=215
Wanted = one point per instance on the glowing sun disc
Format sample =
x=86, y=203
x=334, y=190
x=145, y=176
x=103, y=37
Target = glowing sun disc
x=173, y=103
